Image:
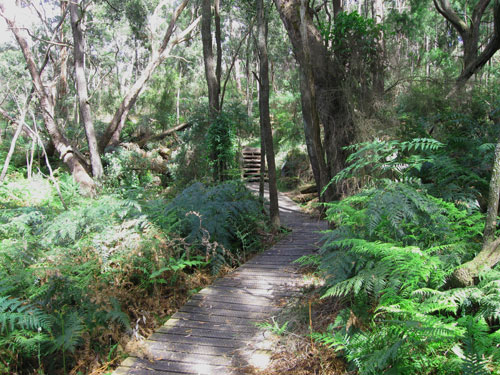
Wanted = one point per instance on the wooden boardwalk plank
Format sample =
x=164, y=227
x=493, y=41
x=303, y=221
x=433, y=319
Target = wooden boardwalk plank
x=192, y=367
x=225, y=327
x=226, y=342
x=212, y=304
x=216, y=331
x=215, y=318
x=224, y=312
x=170, y=355
x=205, y=332
x=232, y=299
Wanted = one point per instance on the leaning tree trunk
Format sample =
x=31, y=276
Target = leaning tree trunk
x=68, y=155
x=81, y=88
x=470, y=32
x=489, y=255
x=111, y=136
x=265, y=119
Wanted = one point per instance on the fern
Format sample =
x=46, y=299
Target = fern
x=117, y=315
x=391, y=251
x=385, y=159
x=216, y=221
x=421, y=161
x=15, y=313
x=72, y=225
x=23, y=327
x=477, y=346
x=70, y=329
x=391, y=346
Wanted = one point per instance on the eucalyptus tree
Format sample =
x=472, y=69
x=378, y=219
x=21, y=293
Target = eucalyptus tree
x=48, y=76
x=77, y=20
x=213, y=65
x=323, y=77
x=477, y=51
x=265, y=120
x=489, y=256
x=46, y=96
x=160, y=51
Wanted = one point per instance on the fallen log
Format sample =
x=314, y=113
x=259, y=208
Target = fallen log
x=156, y=137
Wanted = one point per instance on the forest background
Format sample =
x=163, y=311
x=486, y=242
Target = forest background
x=121, y=129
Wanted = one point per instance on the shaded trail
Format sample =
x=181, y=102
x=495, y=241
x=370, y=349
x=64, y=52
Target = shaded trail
x=215, y=332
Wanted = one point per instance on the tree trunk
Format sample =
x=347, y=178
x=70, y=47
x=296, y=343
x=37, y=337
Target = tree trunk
x=218, y=44
x=378, y=69
x=68, y=155
x=265, y=119
x=472, y=60
x=208, y=57
x=20, y=125
x=81, y=88
x=489, y=255
x=62, y=109
x=262, y=174
x=249, y=77
x=311, y=133
x=311, y=119
x=332, y=103
x=19, y=128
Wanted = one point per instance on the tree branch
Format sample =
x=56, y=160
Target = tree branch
x=233, y=61
x=112, y=134
x=164, y=134
x=257, y=78
x=479, y=9
x=491, y=48
x=444, y=7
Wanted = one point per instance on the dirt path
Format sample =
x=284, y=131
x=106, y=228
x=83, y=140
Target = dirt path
x=215, y=332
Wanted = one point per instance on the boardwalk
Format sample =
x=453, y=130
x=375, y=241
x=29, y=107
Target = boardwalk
x=215, y=332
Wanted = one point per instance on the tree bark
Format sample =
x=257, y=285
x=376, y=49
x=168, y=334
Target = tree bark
x=164, y=134
x=470, y=32
x=218, y=43
x=265, y=119
x=310, y=115
x=19, y=128
x=262, y=174
x=68, y=155
x=332, y=102
x=211, y=70
x=489, y=255
x=62, y=110
x=81, y=88
x=491, y=48
x=249, y=78
x=378, y=69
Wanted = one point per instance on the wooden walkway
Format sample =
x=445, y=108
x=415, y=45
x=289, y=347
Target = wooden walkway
x=215, y=332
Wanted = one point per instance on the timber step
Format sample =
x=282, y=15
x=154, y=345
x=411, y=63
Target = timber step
x=251, y=164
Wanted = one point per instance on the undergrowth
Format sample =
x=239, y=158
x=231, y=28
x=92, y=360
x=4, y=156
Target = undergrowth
x=389, y=256
x=76, y=285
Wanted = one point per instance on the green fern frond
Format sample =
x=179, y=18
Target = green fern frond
x=71, y=328
x=17, y=314
x=117, y=315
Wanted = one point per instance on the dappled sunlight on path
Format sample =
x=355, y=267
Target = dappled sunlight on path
x=215, y=332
